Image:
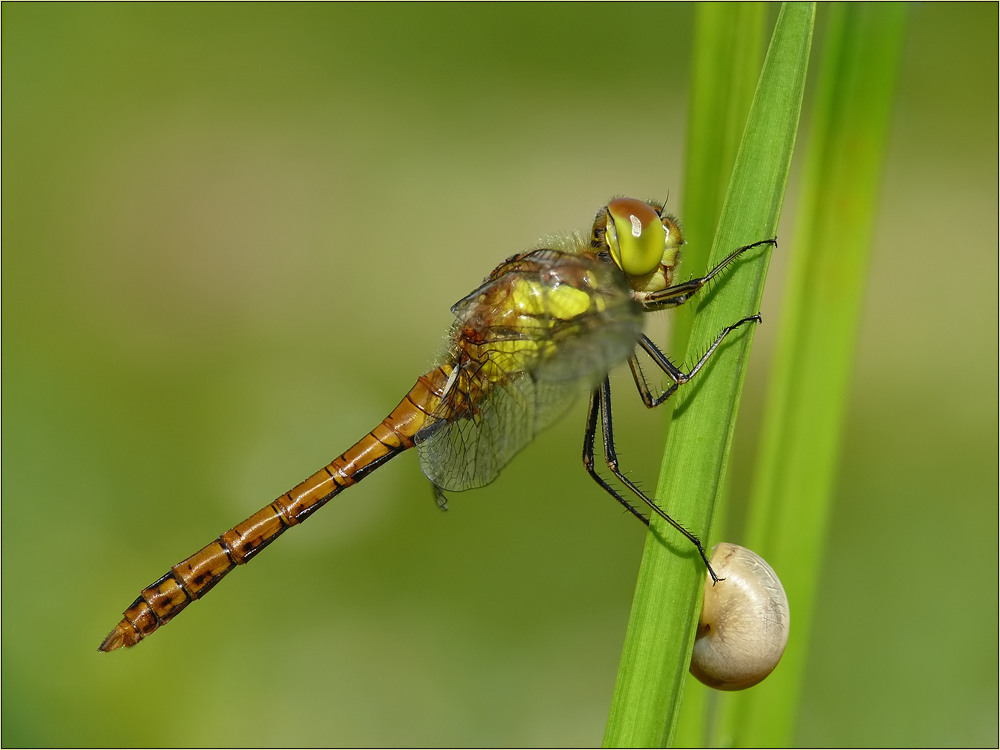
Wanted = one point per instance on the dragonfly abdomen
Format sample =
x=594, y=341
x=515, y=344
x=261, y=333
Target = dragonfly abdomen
x=192, y=578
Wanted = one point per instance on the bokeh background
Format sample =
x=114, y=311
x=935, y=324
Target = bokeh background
x=231, y=236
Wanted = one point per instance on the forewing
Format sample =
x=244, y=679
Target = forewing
x=470, y=452
x=543, y=328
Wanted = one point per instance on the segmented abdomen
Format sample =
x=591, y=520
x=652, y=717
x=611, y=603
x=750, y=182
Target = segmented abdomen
x=194, y=577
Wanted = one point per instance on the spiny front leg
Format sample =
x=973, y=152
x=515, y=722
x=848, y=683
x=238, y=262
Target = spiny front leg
x=678, y=294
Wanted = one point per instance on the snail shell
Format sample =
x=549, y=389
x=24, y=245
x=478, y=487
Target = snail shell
x=744, y=621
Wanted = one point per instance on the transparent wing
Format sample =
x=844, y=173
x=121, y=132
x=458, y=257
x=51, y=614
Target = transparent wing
x=470, y=452
x=544, y=327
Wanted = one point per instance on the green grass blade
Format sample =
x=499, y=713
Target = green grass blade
x=728, y=50
x=661, y=628
x=810, y=384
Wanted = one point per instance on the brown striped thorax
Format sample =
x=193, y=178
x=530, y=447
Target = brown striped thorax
x=545, y=326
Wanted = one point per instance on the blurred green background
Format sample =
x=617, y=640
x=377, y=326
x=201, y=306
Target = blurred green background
x=231, y=237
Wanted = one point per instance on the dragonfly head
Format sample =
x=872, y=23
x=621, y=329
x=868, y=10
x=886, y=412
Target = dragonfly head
x=643, y=242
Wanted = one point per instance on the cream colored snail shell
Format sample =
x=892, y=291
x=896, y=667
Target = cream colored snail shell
x=743, y=626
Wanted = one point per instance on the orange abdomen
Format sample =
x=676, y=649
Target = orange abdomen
x=190, y=579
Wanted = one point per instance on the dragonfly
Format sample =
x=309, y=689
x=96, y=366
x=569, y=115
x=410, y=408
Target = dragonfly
x=546, y=326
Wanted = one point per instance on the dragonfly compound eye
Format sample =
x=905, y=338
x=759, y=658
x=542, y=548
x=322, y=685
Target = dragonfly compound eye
x=636, y=236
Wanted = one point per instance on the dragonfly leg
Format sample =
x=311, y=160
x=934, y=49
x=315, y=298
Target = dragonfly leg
x=641, y=384
x=678, y=294
x=589, y=436
x=600, y=403
x=672, y=371
x=439, y=497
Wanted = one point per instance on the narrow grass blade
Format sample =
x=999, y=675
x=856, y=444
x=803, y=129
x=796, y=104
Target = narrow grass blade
x=729, y=42
x=728, y=50
x=661, y=629
x=810, y=383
